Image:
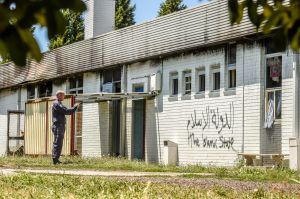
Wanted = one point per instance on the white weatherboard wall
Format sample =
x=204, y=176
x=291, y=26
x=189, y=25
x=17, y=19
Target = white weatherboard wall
x=91, y=82
x=95, y=129
x=189, y=121
x=9, y=101
x=139, y=73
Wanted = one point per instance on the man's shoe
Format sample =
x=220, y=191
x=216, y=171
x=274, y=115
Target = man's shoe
x=56, y=161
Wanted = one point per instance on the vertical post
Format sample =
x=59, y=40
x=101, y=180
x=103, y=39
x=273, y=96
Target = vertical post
x=294, y=142
x=7, y=140
x=47, y=127
x=72, y=127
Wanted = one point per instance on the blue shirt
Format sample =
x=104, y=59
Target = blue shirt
x=59, y=112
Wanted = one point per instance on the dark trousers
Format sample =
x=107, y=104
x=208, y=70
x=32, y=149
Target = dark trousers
x=59, y=133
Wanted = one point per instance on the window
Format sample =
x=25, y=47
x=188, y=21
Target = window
x=112, y=80
x=187, y=83
x=201, y=80
x=76, y=85
x=231, y=66
x=216, y=81
x=45, y=89
x=30, y=91
x=138, y=87
x=273, y=71
x=232, y=78
x=271, y=48
x=174, y=84
x=273, y=89
x=231, y=54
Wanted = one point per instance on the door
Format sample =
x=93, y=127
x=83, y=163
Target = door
x=116, y=118
x=138, y=129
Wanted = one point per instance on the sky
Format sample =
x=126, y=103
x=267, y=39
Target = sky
x=145, y=11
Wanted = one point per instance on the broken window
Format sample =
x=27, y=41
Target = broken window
x=76, y=85
x=112, y=81
x=187, y=77
x=30, y=91
x=174, y=84
x=45, y=89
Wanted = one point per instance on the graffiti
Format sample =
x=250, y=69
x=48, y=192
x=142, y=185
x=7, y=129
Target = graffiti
x=211, y=119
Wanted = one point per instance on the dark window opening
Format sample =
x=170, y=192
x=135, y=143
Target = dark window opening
x=175, y=86
x=30, y=92
x=187, y=83
x=232, y=54
x=273, y=72
x=232, y=78
x=216, y=81
x=112, y=80
x=202, y=83
x=45, y=89
x=76, y=85
x=271, y=47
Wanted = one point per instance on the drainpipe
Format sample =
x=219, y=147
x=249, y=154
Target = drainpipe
x=124, y=111
x=296, y=94
x=243, y=125
x=157, y=110
x=18, y=117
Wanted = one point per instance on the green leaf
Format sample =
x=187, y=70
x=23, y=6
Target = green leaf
x=28, y=39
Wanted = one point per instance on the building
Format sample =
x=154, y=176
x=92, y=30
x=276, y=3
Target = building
x=188, y=79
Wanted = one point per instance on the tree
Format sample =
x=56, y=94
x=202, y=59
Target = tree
x=19, y=16
x=124, y=14
x=74, y=30
x=170, y=6
x=278, y=17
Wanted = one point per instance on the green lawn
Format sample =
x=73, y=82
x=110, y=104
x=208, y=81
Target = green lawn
x=61, y=186
x=107, y=163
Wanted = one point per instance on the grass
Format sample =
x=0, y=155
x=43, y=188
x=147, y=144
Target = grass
x=61, y=186
x=111, y=164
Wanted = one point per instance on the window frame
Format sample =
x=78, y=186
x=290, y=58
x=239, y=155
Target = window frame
x=232, y=68
x=113, y=81
x=231, y=65
x=173, y=76
x=77, y=89
x=200, y=72
x=34, y=89
x=39, y=94
x=186, y=74
x=138, y=85
x=214, y=71
x=272, y=89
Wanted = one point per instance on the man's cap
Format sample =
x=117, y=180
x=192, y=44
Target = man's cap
x=60, y=92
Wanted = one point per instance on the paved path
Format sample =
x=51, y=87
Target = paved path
x=96, y=173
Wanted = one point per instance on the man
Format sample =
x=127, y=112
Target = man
x=59, y=121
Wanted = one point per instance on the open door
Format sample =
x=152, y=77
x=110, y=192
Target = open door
x=138, y=127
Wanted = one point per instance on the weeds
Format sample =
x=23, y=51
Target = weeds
x=111, y=164
x=61, y=186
